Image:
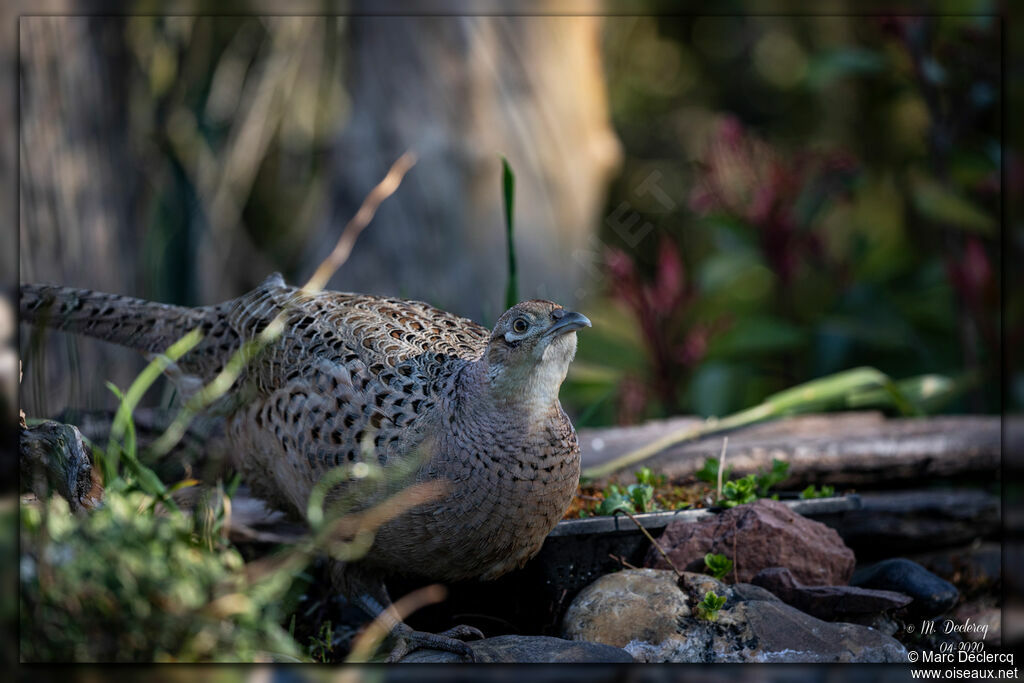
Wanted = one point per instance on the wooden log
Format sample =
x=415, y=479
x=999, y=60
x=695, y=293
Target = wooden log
x=843, y=449
x=893, y=523
x=53, y=458
x=202, y=452
x=840, y=449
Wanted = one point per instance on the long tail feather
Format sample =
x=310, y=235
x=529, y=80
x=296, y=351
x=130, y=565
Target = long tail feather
x=138, y=324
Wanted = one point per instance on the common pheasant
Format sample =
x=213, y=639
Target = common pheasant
x=356, y=376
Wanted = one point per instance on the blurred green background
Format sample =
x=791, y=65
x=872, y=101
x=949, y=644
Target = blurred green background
x=740, y=203
x=822, y=192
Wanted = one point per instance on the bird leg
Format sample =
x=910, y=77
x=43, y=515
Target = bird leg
x=409, y=640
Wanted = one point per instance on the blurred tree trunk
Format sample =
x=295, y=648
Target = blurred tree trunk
x=8, y=248
x=77, y=225
x=459, y=91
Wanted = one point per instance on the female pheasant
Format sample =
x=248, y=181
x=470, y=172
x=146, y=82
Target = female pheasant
x=399, y=382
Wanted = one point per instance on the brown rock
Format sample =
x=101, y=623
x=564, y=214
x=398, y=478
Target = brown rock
x=757, y=536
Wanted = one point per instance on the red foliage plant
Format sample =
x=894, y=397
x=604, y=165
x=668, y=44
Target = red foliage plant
x=660, y=307
x=744, y=177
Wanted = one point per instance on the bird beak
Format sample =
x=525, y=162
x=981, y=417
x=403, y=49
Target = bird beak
x=570, y=322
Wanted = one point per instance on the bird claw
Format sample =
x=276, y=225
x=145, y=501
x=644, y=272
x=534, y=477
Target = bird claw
x=448, y=641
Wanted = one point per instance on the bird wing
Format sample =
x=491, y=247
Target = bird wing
x=353, y=378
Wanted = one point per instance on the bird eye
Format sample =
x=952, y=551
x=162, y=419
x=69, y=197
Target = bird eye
x=519, y=325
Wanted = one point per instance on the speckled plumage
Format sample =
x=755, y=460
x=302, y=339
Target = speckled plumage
x=355, y=372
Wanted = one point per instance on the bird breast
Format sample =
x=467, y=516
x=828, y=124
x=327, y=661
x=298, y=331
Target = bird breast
x=506, y=492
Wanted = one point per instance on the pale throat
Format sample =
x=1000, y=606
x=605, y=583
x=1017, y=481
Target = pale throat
x=532, y=389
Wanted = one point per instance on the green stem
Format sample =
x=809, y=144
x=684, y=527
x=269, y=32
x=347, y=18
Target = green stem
x=508, y=185
x=820, y=394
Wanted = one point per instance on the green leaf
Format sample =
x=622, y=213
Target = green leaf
x=645, y=475
x=122, y=442
x=615, y=499
x=831, y=65
x=824, y=393
x=718, y=565
x=709, y=471
x=143, y=477
x=641, y=496
x=123, y=425
x=811, y=492
x=755, y=335
x=925, y=393
x=739, y=491
x=708, y=607
x=776, y=475
x=942, y=204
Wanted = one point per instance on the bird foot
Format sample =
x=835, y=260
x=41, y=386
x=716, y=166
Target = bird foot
x=449, y=641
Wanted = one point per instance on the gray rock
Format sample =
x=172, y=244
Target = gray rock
x=932, y=595
x=830, y=603
x=53, y=457
x=751, y=593
x=756, y=536
x=629, y=596
x=527, y=649
x=638, y=610
x=883, y=623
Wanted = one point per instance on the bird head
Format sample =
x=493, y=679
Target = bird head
x=530, y=349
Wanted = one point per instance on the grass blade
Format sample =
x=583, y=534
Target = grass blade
x=508, y=186
x=122, y=440
x=834, y=392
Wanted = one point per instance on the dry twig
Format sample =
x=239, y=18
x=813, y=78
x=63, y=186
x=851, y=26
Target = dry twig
x=655, y=543
x=721, y=466
x=225, y=379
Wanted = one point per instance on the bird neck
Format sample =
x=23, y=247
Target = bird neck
x=530, y=392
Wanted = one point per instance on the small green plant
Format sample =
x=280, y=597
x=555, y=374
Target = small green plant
x=645, y=475
x=776, y=475
x=615, y=499
x=642, y=497
x=322, y=644
x=718, y=565
x=120, y=463
x=708, y=608
x=123, y=584
x=632, y=499
x=812, y=492
x=709, y=472
x=739, y=491
x=753, y=486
